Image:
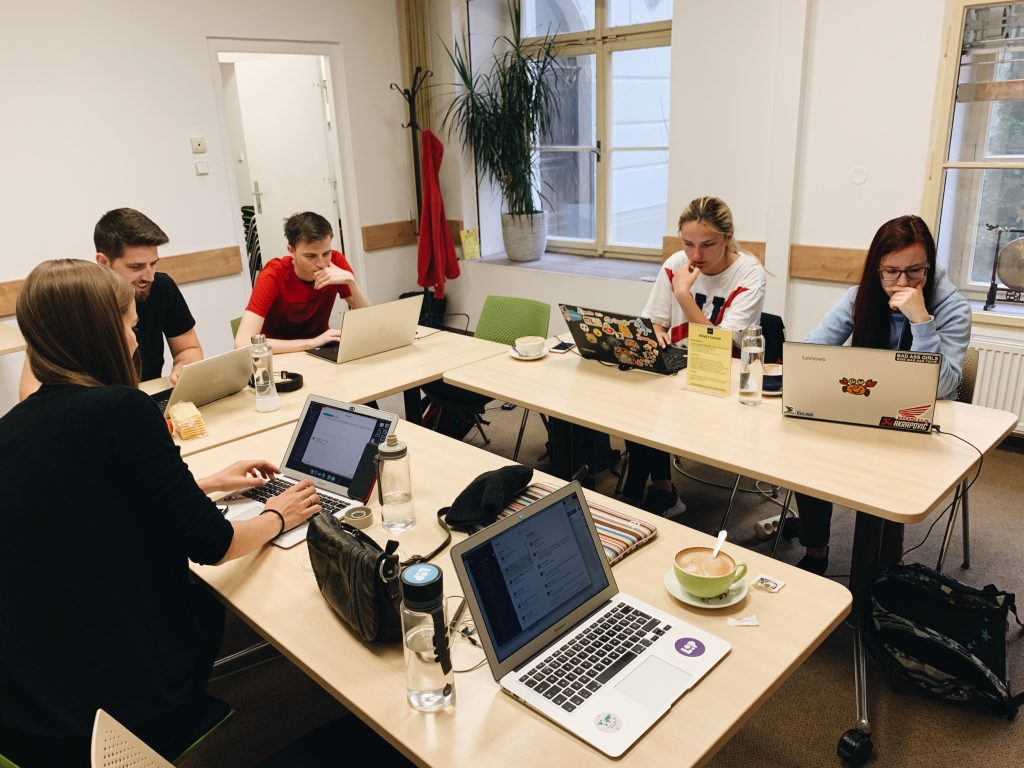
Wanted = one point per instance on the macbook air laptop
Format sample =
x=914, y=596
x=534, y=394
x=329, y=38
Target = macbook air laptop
x=377, y=328
x=562, y=639
x=207, y=380
x=333, y=447
x=856, y=385
x=628, y=342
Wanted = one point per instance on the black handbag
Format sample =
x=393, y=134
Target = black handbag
x=359, y=579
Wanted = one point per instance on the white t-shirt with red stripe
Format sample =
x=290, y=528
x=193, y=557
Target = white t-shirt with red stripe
x=732, y=299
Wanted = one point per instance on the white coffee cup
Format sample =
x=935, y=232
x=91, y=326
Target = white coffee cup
x=530, y=346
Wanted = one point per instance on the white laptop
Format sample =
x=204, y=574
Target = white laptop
x=543, y=599
x=332, y=446
x=377, y=328
x=210, y=379
x=855, y=385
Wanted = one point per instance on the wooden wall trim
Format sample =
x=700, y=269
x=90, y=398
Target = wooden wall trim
x=377, y=237
x=184, y=268
x=815, y=262
x=670, y=244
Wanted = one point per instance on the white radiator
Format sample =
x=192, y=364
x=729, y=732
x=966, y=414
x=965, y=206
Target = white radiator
x=1000, y=382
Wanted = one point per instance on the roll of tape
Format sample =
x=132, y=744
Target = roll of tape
x=360, y=517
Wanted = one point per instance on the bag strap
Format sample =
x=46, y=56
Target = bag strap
x=447, y=540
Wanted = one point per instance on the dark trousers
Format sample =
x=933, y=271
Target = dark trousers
x=816, y=523
x=644, y=462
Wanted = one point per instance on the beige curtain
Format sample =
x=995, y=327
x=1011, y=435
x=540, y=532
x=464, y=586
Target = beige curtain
x=414, y=27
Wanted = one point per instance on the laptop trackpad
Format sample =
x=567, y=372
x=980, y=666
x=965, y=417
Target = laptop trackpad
x=655, y=684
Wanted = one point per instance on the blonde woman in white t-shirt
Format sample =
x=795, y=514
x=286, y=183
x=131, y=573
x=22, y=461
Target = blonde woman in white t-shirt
x=709, y=282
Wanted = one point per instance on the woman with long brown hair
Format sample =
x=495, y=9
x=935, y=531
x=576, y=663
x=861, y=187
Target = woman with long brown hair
x=903, y=301
x=99, y=520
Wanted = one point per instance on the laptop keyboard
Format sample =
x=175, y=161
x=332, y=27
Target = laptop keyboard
x=276, y=486
x=162, y=399
x=575, y=672
x=675, y=358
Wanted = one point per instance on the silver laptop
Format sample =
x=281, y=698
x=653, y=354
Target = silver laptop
x=856, y=385
x=207, y=380
x=377, y=328
x=332, y=446
x=562, y=639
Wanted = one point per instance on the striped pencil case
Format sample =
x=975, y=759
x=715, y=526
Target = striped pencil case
x=620, y=534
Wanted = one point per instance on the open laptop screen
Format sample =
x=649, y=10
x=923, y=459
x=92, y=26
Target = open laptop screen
x=330, y=442
x=533, y=574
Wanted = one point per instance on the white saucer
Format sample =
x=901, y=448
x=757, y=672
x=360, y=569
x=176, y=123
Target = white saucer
x=736, y=593
x=514, y=354
x=771, y=394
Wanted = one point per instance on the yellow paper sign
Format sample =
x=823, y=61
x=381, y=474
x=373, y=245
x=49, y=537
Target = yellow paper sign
x=709, y=362
x=470, y=244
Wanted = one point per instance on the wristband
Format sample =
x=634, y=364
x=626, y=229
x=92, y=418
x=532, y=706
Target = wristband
x=279, y=516
x=284, y=381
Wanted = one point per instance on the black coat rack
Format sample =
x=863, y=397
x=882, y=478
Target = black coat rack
x=409, y=94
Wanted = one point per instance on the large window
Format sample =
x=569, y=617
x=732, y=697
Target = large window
x=978, y=182
x=604, y=163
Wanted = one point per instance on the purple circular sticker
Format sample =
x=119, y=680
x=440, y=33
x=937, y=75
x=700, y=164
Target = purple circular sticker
x=690, y=646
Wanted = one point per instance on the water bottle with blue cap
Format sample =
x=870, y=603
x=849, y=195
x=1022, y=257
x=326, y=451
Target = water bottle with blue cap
x=430, y=681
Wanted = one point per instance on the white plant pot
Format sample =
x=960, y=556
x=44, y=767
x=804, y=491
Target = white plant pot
x=525, y=237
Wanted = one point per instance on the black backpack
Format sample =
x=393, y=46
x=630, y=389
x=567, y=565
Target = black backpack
x=943, y=636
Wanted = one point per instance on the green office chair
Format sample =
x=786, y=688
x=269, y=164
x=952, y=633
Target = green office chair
x=503, y=320
x=234, y=327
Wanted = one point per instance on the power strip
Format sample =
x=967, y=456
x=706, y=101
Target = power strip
x=767, y=528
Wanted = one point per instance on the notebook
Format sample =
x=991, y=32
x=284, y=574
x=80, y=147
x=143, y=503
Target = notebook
x=377, y=328
x=562, y=639
x=628, y=342
x=329, y=447
x=855, y=385
x=207, y=380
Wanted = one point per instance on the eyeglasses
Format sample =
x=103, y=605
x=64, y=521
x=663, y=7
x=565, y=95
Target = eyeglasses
x=891, y=275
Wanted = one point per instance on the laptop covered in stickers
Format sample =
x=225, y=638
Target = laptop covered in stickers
x=622, y=340
x=891, y=389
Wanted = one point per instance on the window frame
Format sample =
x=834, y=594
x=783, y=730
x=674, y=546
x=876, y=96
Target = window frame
x=602, y=42
x=958, y=268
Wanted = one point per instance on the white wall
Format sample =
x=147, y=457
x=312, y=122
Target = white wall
x=811, y=118
x=101, y=115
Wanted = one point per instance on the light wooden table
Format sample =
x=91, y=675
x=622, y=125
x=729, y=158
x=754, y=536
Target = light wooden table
x=10, y=339
x=885, y=475
x=357, y=381
x=275, y=591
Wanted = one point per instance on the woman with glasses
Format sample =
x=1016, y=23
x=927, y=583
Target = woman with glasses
x=903, y=301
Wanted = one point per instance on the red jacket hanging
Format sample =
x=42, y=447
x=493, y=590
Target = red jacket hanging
x=436, y=253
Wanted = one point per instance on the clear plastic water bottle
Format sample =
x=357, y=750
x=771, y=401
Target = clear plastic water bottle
x=394, y=486
x=751, y=365
x=429, y=677
x=263, y=375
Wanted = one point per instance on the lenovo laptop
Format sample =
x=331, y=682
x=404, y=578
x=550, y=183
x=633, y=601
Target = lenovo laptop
x=562, y=639
x=628, y=342
x=207, y=380
x=377, y=328
x=333, y=446
x=856, y=385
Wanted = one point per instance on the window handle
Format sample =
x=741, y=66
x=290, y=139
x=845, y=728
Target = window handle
x=597, y=150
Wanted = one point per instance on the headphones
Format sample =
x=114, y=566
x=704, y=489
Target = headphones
x=284, y=381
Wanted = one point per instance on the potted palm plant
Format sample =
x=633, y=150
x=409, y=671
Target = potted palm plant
x=499, y=115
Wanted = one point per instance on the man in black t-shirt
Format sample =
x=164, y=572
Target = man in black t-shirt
x=126, y=241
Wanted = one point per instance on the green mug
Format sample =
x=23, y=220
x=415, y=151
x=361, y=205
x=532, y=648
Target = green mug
x=701, y=576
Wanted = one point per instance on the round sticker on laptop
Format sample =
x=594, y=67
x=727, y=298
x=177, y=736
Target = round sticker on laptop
x=690, y=647
x=608, y=722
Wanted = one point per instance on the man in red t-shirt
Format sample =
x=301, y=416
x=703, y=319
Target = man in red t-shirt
x=293, y=297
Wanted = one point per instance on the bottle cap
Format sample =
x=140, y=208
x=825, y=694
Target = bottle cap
x=422, y=586
x=258, y=338
x=392, y=448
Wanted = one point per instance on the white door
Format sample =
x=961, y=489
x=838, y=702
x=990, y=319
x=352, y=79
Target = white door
x=284, y=121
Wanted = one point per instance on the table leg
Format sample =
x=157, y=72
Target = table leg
x=413, y=406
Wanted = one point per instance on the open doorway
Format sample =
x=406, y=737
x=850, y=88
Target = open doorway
x=284, y=146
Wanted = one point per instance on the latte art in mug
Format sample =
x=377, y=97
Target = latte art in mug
x=700, y=563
